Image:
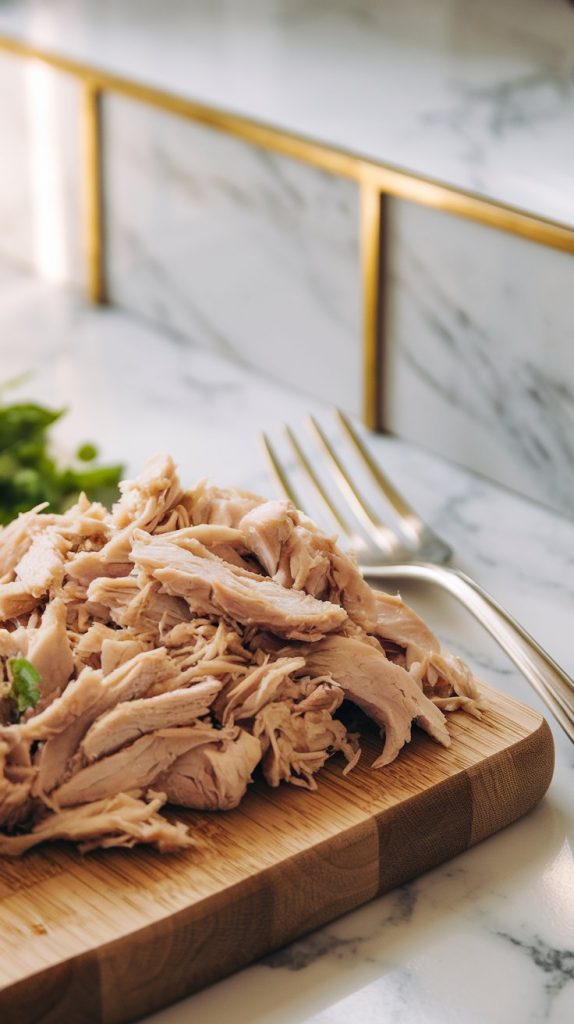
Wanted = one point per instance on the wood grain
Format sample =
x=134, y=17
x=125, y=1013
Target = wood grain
x=117, y=934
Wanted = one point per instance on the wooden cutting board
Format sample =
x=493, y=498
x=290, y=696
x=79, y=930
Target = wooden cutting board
x=119, y=933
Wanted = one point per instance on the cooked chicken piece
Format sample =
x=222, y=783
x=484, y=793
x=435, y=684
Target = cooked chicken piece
x=214, y=776
x=305, y=565
x=211, y=587
x=208, y=534
x=66, y=720
x=400, y=625
x=16, y=777
x=244, y=698
x=220, y=505
x=386, y=692
x=13, y=644
x=128, y=721
x=92, y=689
x=85, y=519
x=325, y=696
x=297, y=744
x=177, y=518
x=42, y=567
x=135, y=766
x=225, y=542
x=122, y=820
x=141, y=608
x=50, y=653
x=147, y=499
x=346, y=585
x=91, y=641
x=442, y=675
x=90, y=565
x=296, y=554
x=266, y=528
x=300, y=743
x=15, y=600
x=144, y=504
x=106, y=648
x=117, y=652
x=15, y=539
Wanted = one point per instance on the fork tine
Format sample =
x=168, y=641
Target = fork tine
x=390, y=492
x=325, y=497
x=278, y=472
x=381, y=533
x=410, y=523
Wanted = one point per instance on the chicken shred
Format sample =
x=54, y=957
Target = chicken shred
x=186, y=640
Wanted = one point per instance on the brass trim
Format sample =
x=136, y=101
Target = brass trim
x=391, y=180
x=370, y=236
x=93, y=195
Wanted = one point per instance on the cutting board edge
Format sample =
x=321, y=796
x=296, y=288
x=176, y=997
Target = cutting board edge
x=538, y=747
x=104, y=979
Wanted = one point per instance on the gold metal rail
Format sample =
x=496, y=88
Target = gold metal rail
x=376, y=181
x=93, y=193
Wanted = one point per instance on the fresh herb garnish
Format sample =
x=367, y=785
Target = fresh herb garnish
x=25, y=679
x=87, y=452
x=29, y=474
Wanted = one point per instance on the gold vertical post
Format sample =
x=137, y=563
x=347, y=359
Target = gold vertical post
x=371, y=224
x=93, y=195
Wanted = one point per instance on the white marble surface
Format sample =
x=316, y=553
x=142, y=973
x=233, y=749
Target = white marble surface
x=478, y=95
x=487, y=938
x=40, y=193
x=480, y=350
x=236, y=248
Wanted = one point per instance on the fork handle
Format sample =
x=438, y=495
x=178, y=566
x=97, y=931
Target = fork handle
x=545, y=676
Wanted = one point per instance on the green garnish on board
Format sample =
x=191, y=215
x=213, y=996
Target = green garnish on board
x=29, y=472
x=25, y=680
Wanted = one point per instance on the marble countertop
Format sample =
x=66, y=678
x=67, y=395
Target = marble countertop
x=476, y=95
x=488, y=938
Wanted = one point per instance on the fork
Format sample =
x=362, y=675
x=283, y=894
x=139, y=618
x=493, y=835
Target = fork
x=416, y=552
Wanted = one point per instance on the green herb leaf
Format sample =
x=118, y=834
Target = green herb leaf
x=25, y=683
x=87, y=452
x=24, y=421
x=29, y=473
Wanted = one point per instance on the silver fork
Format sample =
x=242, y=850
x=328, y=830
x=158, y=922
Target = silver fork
x=416, y=552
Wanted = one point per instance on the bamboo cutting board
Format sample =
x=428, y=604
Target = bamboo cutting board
x=114, y=935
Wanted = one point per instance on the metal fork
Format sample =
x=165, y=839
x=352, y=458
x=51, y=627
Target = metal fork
x=416, y=552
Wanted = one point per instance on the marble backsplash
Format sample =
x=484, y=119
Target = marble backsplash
x=256, y=256
x=481, y=350
x=235, y=248
x=40, y=180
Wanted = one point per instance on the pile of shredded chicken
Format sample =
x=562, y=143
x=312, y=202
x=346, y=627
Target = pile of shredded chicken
x=183, y=639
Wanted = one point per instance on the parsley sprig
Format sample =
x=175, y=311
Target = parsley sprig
x=25, y=683
x=30, y=474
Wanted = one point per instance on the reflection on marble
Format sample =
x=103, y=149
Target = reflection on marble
x=481, y=343
x=40, y=208
x=235, y=248
x=486, y=938
x=478, y=95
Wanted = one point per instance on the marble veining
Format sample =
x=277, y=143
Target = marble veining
x=247, y=253
x=398, y=908
x=480, y=349
x=486, y=938
x=477, y=95
x=558, y=964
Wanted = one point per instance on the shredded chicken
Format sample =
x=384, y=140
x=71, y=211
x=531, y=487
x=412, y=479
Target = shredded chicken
x=185, y=641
